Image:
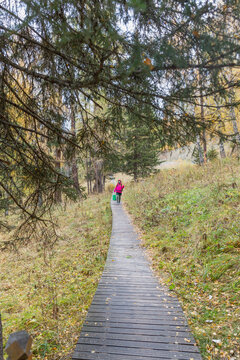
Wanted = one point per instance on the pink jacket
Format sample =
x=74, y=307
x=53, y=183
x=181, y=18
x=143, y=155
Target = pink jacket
x=119, y=188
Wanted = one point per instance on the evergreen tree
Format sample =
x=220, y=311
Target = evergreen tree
x=141, y=155
x=53, y=51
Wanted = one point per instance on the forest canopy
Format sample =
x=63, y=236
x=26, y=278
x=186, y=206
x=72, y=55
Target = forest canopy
x=100, y=62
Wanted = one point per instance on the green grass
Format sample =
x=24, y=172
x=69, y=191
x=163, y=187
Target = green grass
x=50, y=298
x=190, y=225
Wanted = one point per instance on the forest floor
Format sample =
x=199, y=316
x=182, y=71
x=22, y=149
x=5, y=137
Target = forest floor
x=189, y=223
x=48, y=293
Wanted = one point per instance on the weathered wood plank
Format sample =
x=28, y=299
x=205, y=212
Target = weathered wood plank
x=128, y=325
x=161, y=337
x=135, y=320
x=173, y=333
x=137, y=344
x=139, y=314
x=168, y=354
x=104, y=356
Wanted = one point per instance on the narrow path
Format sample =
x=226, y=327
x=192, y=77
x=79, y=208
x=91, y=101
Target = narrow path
x=132, y=317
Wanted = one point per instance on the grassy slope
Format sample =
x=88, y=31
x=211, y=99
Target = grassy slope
x=51, y=300
x=189, y=220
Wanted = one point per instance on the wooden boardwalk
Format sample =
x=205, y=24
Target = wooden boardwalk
x=132, y=317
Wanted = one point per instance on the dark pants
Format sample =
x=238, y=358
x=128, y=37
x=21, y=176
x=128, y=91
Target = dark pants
x=118, y=196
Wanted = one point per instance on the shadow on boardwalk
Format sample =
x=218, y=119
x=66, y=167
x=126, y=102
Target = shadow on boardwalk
x=132, y=317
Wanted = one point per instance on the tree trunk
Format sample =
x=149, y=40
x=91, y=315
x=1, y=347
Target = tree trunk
x=75, y=176
x=104, y=181
x=1, y=339
x=135, y=166
x=204, y=140
x=100, y=177
x=87, y=175
x=88, y=185
x=200, y=154
x=221, y=142
x=90, y=181
x=74, y=161
x=58, y=193
x=221, y=148
x=96, y=176
x=233, y=114
x=98, y=186
x=235, y=126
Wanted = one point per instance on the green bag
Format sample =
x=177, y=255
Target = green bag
x=114, y=197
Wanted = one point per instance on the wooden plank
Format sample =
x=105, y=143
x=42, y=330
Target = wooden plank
x=113, y=299
x=135, y=320
x=143, y=307
x=129, y=343
x=138, y=313
x=148, y=353
x=104, y=356
x=129, y=325
x=161, y=337
x=173, y=333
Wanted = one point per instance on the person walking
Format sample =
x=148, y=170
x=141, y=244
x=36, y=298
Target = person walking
x=118, y=190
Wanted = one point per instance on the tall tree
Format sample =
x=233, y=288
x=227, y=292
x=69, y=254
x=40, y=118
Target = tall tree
x=141, y=155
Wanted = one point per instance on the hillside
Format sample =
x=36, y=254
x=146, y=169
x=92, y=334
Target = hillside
x=189, y=223
x=48, y=293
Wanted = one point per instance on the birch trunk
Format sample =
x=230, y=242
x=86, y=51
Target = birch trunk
x=221, y=142
x=221, y=148
x=200, y=153
x=234, y=124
